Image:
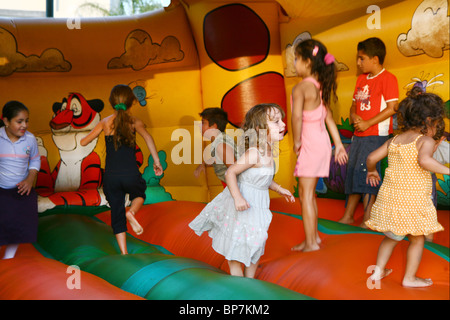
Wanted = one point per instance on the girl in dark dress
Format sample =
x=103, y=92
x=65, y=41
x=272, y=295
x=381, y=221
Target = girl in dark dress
x=122, y=175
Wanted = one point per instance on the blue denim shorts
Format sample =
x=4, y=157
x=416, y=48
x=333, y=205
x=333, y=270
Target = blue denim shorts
x=361, y=147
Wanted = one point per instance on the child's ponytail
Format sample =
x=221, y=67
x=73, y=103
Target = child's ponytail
x=121, y=99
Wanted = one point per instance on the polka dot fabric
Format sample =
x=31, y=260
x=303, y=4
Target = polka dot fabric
x=404, y=205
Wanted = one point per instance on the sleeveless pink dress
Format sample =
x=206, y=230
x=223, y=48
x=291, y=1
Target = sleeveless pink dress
x=315, y=151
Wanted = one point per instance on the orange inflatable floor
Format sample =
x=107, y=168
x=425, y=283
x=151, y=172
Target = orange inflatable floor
x=339, y=270
x=31, y=276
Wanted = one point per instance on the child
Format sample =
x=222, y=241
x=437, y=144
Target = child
x=238, y=218
x=122, y=174
x=223, y=150
x=374, y=103
x=310, y=112
x=19, y=165
x=404, y=205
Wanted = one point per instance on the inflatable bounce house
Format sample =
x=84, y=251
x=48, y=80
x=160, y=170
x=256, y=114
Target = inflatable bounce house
x=179, y=60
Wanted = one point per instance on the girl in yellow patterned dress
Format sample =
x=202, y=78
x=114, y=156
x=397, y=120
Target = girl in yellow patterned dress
x=404, y=205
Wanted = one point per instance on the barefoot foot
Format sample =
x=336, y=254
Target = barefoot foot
x=378, y=274
x=307, y=248
x=363, y=225
x=137, y=228
x=417, y=282
x=310, y=248
x=346, y=220
x=298, y=247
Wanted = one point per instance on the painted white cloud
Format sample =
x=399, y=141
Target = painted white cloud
x=429, y=33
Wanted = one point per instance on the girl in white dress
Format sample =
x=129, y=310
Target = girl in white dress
x=237, y=219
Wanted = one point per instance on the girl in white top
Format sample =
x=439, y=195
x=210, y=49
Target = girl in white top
x=19, y=165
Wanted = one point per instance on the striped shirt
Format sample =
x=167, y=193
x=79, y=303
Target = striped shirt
x=17, y=159
x=219, y=166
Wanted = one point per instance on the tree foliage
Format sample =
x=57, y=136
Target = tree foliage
x=124, y=7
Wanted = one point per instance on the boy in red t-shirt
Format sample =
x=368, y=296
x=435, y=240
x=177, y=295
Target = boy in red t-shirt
x=374, y=103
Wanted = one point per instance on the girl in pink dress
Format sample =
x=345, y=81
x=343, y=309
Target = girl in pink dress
x=310, y=112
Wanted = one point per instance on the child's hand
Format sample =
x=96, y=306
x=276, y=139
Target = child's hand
x=361, y=125
x=286, y=194
x=355, y=118
x=199, y=169
x=373, y=178
x=241, y=204
x=158, y=169
x=340, y=155
x=297, y=146
x=24, y=187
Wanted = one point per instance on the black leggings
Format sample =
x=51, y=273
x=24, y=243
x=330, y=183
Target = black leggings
x=116, y=186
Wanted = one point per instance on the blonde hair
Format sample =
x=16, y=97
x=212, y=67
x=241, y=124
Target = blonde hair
x=123, y=135
x=255, y=120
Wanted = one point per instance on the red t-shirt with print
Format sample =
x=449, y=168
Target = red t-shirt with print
x=371, y=96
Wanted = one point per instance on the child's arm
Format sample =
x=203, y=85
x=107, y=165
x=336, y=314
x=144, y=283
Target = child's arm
x=281, y=191
x=373, y=178
x=298, y=99
x=34, y=165
x=353, y=116
x=93, y=134
x=340, y=155
x=426, y=147
x=363, y=125
x=248, y=160
x=201, y=167
x=140, y=128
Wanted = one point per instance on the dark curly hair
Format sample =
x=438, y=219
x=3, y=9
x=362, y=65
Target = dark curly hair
x=326, y=73
x=421, y=110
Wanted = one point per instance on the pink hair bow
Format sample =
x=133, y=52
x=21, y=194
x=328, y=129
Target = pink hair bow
x=328, y=59
x=315, y=50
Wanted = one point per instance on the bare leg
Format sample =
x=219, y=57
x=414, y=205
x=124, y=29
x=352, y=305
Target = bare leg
x=235, y=268
x=368, y=201
x=352, y=203
x=122, y=241
x=136, y=205
x=384, y=253
x=310, y=215
x=10, y=251
x=318, y=240
x=249, y=272
x=413, y=258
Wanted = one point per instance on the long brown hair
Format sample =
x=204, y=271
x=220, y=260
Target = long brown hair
x=123, y=134
x=326, y=73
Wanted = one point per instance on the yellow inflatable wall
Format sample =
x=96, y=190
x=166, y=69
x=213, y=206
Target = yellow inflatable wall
x=196, y=54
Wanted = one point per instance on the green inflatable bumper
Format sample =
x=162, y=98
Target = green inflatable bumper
x=148, y=271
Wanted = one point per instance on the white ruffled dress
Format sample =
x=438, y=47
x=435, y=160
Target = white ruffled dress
x=239, y=235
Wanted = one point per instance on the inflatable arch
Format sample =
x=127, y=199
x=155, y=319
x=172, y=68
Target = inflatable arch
x=192, y=55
